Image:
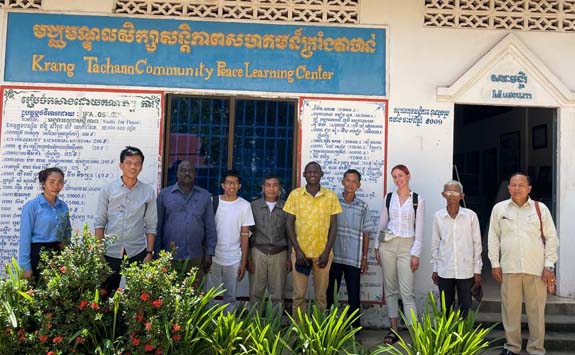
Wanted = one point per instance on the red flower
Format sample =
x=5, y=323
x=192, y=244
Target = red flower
x=94, y=306
x=148, y=347
x=164, y=269
x=57, y=339
x=176, y=327
x=120, y=290
x=176, y=337
x=157, y=303
x=139, y=317
x=22, y=334
x=43, y=338
x=103, y=292
x=63, y=269
x=79, y=340
x=50, y=353
x=30, y=292
x=148, y=326
x=136, y=341
x=83, y=304
x=144, y=296
x=159, y=351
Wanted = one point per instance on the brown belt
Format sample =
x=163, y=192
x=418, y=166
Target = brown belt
x=270, y=249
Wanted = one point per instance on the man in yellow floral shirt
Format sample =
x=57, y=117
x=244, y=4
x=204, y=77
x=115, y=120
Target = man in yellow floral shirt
x=311, y=227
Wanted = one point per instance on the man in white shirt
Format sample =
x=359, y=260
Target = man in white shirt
x=523, y=251
x=456, y=249
x=233, y=220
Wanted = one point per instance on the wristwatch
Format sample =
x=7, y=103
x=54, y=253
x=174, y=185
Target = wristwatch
x=550, y=268
x=151, y=252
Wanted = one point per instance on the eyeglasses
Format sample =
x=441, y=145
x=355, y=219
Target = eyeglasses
x=452, y=193
x=231, y=183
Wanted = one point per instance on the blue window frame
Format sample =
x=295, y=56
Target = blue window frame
x=255, y=137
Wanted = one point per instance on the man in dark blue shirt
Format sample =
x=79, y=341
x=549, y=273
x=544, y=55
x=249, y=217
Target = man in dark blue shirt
x=186, y=224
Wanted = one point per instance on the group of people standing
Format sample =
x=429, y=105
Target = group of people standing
x=315, y=231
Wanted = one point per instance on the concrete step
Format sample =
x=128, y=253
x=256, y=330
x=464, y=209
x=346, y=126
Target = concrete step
x=554, y=341
x=547, y=352
x=553, y=322
x=555, y=305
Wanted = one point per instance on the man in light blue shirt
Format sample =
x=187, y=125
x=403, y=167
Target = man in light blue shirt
x=127, y=210
x=351, y=244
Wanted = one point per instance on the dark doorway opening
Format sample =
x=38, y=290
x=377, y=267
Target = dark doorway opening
x=493, y=142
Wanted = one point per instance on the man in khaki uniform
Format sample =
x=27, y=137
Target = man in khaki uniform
x=522, y=263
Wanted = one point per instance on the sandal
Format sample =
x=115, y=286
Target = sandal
x=390, y=337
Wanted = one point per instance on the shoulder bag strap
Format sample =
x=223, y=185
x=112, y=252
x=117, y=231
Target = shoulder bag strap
x=540, y=221
x=388, y=202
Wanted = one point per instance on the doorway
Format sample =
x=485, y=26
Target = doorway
x=493, y=142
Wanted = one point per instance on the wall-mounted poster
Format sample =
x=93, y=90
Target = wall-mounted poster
x=80, y=131
x=343, y=134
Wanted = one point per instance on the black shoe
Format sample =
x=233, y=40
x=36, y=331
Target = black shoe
x=507, y=352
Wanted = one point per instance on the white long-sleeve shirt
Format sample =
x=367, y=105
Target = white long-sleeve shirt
x=456, y=244
x=403, y=221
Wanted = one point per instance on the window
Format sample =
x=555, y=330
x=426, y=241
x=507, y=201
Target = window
x=255, y=137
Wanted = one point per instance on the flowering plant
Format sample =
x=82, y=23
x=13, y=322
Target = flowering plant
x=67, y=310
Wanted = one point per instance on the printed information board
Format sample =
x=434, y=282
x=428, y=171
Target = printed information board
x=81, y=132
x=349, y=134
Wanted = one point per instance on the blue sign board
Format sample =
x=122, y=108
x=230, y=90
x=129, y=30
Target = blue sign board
x=107, y=50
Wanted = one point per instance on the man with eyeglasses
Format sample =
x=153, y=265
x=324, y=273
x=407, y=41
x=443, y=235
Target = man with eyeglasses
x=456, y=249
x=186, y=224
x=233, y=220
x=523, y=251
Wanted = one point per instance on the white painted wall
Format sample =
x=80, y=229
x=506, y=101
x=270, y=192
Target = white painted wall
x=79, y=5
x=423, y=59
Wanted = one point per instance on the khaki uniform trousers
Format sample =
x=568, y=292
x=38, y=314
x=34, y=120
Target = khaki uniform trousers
x=269, y=275
x=515, y=289
x=320, y=284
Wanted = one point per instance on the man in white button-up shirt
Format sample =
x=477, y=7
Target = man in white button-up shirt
x=522, y=263
x=456, y=249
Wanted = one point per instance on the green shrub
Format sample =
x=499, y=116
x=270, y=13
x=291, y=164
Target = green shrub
x=158, y=312
x=69, y=313
x=266, y=334
x=324, y=333
x=440, y=333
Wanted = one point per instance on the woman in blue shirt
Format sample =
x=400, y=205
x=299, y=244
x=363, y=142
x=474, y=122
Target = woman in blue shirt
x=45, y=222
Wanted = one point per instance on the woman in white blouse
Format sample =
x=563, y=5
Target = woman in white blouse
x=399, y=253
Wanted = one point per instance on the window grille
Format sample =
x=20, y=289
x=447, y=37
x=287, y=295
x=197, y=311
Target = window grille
x=523, y=15
x=20, y=4
x=311, y=11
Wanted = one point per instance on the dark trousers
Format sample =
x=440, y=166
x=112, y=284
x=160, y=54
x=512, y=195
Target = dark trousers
x=35, y=249
x=352, y=281
x=113, y=282
x=463, y=286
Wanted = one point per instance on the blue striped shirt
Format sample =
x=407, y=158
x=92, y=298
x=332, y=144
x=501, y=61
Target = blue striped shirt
x=351, y=224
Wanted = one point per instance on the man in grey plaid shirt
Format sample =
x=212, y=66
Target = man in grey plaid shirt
x=351, y=244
